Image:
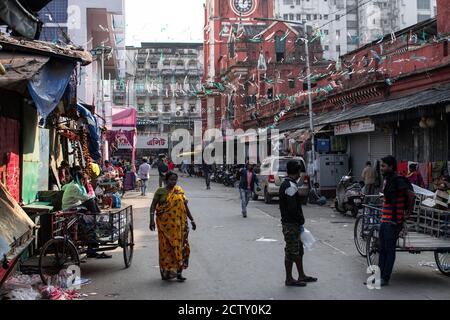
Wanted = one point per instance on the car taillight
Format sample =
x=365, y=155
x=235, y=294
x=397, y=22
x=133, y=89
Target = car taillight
x=271, y=178
x=306, y=180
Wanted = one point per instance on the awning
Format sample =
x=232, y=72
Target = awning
x=425, y=98
x=124, y=117
x=304, y=122
x=15, y=45
x=20, y=69
x=48, y=85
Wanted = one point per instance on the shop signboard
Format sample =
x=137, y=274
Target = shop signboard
x=156, y=141
x=352, y=127
x=123, y=142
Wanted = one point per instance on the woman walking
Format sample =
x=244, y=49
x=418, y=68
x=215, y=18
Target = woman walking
x=172, y=213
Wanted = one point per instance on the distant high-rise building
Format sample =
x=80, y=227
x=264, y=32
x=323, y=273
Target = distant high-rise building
x=90, y=24
x=382, y=17
x=55, y=16
x=336, y=20
x=347, y=24
x=162, y=81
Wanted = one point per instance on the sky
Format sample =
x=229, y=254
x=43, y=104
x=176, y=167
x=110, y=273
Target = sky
x=164, y=21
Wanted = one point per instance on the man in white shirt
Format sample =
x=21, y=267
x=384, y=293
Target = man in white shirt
x=144, y=175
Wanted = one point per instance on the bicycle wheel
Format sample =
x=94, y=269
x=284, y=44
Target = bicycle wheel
x=360, y=236
x=373, y=248
x=57, y=255
x=443, y=262
x=128, y=246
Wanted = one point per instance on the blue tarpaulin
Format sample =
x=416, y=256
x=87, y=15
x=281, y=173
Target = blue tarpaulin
x=94, y=132
x=49, y=84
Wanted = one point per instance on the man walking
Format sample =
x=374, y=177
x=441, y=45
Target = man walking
x=292, y=220
x=398, y=204
x=369, y=176
x=144, y=175
x=207, y=173
x=247, y=185
x=163, y=168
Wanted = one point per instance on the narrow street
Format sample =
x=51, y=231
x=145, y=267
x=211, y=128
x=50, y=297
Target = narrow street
x=228, y=261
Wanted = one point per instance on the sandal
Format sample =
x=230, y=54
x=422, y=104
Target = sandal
x=103, y=256
x=308, y=279
x=295, y=284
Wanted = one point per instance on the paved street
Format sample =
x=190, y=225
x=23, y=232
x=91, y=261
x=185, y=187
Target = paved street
x=227, y=261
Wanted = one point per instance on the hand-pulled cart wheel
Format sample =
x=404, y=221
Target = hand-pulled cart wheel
x=57, y=255
x=443, y=262
x=373, y=248
x=360, y=235
x=128, y=246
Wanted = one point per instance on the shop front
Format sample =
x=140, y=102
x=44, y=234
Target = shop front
x=366, y=142
x=151, y=145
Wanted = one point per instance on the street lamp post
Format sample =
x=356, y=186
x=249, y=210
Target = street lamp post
x=308, y=77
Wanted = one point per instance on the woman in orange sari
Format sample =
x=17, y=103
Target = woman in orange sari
x=172, y=213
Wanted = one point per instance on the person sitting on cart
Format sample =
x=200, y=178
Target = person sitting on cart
x=75, y=196
x=398, y=204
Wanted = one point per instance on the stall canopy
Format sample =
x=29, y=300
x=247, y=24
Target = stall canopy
x=19, y=70
x=48, y=86
x=124, y=117
x=426, y=98
x=94, y=132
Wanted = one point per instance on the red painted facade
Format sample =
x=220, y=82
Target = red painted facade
x=239, y=72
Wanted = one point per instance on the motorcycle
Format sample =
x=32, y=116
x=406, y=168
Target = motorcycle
x=230, y=179
x=218, y=174
x=349, y=196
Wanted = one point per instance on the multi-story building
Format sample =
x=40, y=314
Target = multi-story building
x=90, y=24
x=162, y=82
x=55, y=16
x=382, y=17
x=336, y=20
x=347, y=24
x=251, y=65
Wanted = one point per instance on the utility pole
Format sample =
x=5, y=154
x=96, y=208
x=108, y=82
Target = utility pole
x=308, y=79
x=311, y=115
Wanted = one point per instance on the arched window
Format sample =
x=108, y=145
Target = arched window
x=280, y=47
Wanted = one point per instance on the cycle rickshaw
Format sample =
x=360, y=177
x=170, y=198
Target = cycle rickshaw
x=426, y=230
x=70, y=244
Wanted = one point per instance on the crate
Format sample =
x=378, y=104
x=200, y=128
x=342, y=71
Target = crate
x=430, y=221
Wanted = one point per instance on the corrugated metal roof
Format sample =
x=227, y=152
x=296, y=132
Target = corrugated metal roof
x=425, y=98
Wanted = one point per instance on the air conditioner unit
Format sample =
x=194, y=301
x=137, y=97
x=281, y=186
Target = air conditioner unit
x=179, y=113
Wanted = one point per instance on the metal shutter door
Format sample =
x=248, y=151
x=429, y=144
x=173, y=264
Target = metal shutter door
x=380, y=145
x=359, y=145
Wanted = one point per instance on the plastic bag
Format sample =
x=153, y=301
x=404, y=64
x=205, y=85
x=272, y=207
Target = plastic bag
x=308, y=239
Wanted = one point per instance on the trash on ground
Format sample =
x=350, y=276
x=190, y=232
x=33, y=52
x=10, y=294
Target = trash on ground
x=266, y=240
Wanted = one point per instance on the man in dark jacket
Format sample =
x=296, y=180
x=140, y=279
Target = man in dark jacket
x=398, y=204
x=247, y=185
x=292, y=220
x=207, y=174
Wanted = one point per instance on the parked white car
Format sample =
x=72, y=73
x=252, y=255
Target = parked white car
x=272, y=174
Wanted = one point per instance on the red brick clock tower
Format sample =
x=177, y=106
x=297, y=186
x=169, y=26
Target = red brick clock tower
x=221, y=16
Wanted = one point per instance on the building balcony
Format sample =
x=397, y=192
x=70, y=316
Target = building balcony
x=167, y=72
x=141, y=94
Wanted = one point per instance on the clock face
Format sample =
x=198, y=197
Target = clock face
x=244, y=7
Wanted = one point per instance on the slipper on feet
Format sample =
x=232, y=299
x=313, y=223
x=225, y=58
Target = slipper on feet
x=309, y=279
x=295, y=284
